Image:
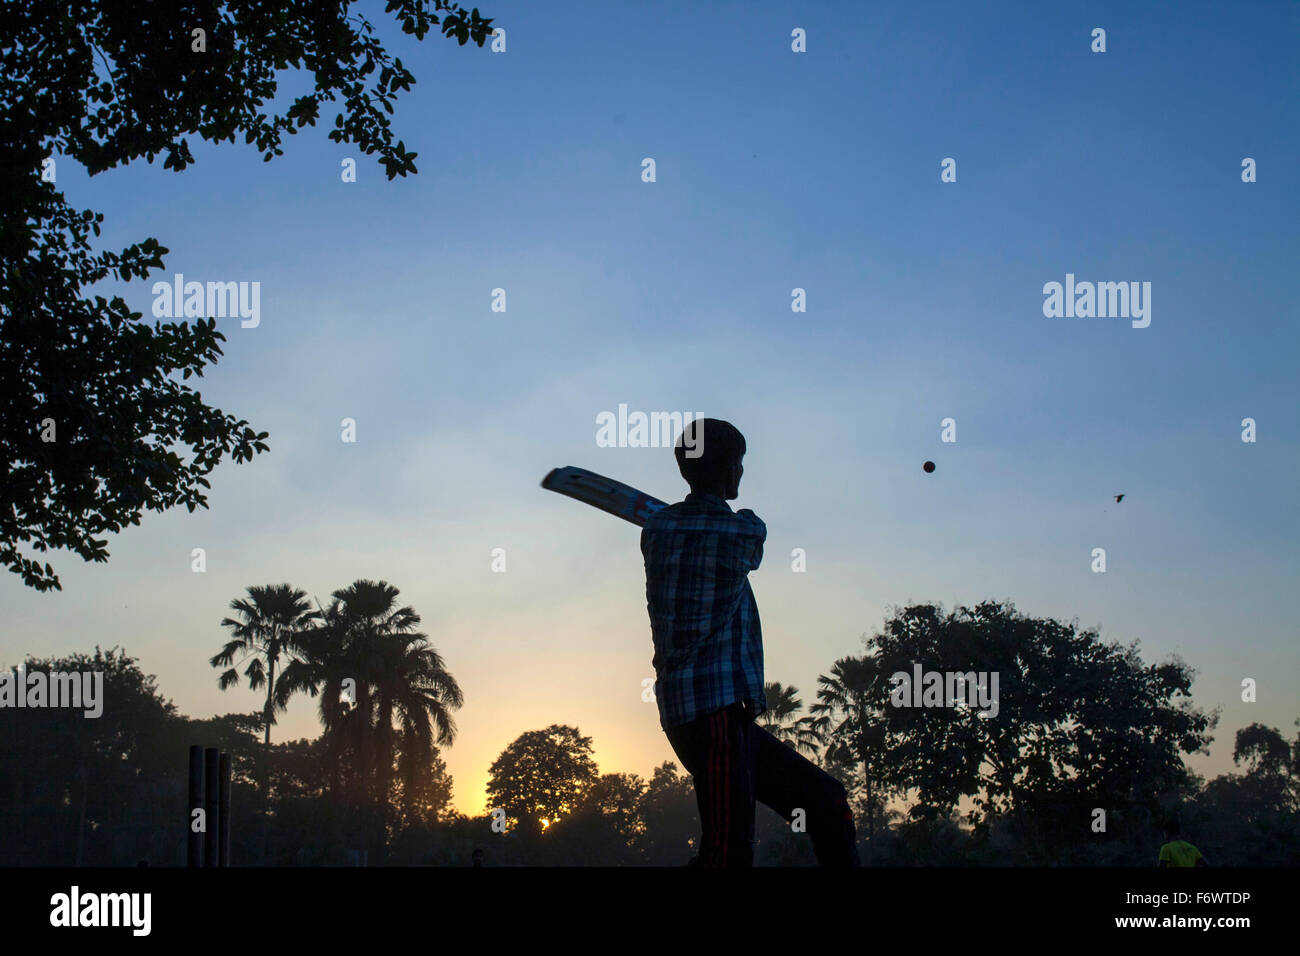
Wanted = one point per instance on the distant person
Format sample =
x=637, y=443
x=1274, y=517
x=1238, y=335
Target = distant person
x=1179, y=852
x=476, y=857
x=708, y=662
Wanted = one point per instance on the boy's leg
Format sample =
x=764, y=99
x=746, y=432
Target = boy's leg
x=718, y=751
x=786, y=781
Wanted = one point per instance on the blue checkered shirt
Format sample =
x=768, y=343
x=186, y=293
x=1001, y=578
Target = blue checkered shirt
x=707, y=639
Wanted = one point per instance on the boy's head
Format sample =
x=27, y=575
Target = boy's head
x=1172, y=829
x=708, y=455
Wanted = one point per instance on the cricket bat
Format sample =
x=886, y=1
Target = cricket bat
x=622, y=501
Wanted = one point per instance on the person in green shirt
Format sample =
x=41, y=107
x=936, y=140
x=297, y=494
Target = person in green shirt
x=1179, y=852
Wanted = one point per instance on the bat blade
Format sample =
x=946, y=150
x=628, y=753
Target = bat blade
x=613, y=497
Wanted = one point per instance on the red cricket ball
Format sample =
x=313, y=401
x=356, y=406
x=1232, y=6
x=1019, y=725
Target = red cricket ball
x=928, y=466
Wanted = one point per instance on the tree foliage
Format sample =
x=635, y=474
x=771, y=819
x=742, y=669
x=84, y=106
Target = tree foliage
x=542, y=776
x=270, y=621
x=77, y=788
x=95, y=426
x=111, y=791
x=784, y=721
x=386, y=702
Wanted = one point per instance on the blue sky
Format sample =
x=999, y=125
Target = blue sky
x=775, y=170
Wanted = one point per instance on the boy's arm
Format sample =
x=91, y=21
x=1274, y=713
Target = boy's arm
x=747, y=554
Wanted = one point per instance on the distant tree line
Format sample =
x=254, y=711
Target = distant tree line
x=1082, y=764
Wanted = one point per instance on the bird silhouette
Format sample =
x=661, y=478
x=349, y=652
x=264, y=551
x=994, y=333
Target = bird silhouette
x=1119, y=497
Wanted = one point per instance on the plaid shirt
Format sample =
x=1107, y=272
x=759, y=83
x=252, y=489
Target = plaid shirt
x=707, y=639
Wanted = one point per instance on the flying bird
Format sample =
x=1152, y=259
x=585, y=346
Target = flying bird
x=1119, y=498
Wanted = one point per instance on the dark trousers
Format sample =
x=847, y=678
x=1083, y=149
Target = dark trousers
x=734, y=763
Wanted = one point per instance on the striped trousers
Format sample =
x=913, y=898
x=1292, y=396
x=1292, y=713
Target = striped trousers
x=735, y=763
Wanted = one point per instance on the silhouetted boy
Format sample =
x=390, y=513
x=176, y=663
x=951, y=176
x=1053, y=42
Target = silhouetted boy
x=709, y=662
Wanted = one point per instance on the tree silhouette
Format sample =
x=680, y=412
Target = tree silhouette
x=1266, y=751
x=272, y=618
x=109, y=791
x=849, y=718
x=91, y=413
x=617, y=797
x=75, y=788
x=325, y=663
x=373, y=670
x=541, y=777
x=783, y=721
x=424, y=789
x=671, y=816
x=1252, y=817
x=1080, y=723
x=604, y=831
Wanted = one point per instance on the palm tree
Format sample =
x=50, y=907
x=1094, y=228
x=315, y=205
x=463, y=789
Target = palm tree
x=324, y=667
x=781, y=718
x=849, y=718
x=272, y=619
x=397, y=675
x=416, y=689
